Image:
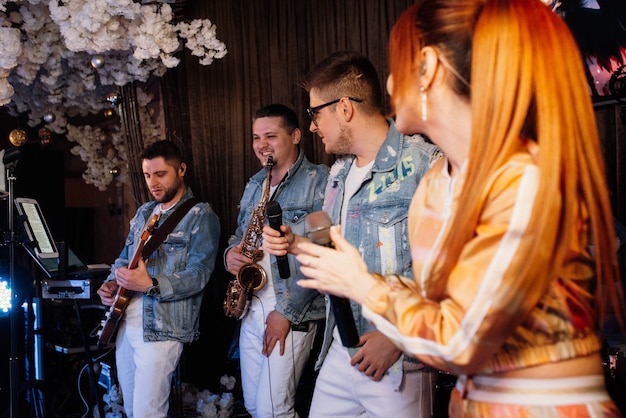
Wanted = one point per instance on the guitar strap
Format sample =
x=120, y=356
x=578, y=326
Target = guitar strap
x=167, y=227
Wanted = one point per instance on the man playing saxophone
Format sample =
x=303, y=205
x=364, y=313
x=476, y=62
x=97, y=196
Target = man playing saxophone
x=279, y=311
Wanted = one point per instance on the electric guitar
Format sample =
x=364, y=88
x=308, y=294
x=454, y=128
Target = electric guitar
x=123, y=296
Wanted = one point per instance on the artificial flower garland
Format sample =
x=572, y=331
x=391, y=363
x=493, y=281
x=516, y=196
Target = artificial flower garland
x=46, y=66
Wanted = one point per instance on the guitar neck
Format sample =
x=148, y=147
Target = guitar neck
x=142, y=241
x=137, y=256
x=122, y=299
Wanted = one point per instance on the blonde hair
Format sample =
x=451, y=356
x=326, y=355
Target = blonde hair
x=528, y=83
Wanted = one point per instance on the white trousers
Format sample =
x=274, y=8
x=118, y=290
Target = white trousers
x=341, y=390
x=269, y=383
x=144, y=371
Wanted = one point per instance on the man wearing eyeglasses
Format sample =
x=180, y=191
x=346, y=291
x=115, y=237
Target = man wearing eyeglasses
x=368, y=193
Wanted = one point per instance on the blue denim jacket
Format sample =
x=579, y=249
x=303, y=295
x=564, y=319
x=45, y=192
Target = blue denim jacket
x=377, y=218
x=299, y=193
x=182, y=264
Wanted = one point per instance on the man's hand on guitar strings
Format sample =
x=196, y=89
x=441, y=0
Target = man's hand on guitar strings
x=107, y=293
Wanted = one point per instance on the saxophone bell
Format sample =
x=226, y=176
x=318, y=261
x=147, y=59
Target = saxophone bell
x=252, y=277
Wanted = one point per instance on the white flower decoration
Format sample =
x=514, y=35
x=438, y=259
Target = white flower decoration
x=6, y=91
x=10, y=47
x=45, y=64
x=228, y=382
x=201, y=40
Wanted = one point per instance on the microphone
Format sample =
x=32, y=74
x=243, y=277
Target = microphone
x=11, y=155
x=275, y=218
x=318, y=231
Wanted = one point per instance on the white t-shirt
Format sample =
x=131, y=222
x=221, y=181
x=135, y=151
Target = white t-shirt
x=353, y=183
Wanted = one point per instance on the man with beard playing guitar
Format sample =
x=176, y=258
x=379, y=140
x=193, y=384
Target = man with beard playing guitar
x=162, y=312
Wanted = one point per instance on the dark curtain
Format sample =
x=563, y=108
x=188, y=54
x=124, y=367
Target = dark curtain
x=271, y=45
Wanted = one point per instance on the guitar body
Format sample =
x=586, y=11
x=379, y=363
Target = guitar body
x=123, y=297
x=114, y=315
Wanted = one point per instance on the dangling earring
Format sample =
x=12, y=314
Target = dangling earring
x=424, y=106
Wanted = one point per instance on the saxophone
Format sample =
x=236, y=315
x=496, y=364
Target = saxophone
x=251, y=276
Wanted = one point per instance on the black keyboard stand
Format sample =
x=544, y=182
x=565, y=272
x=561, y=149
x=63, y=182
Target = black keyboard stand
x=91, y=365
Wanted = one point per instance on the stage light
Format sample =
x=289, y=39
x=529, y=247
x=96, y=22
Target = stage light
x=5, y=297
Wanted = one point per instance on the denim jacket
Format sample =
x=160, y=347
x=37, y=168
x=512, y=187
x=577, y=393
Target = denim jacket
x=299, y=193
x=182, y=264
x=377, y=218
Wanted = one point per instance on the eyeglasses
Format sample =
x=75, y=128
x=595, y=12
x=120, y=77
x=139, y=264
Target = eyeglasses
x=313, y=111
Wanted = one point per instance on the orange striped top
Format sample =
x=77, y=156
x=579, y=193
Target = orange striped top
x=481, y=319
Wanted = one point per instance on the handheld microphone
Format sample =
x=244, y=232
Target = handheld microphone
x=275, y=218
x=318, y=231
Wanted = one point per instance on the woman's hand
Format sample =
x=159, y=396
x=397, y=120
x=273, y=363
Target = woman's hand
x=340, y=270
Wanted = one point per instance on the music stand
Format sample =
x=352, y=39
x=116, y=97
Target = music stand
x=31, y=217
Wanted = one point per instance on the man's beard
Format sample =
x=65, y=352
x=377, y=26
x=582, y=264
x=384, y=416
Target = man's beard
x=169, y=194
x=344, y=143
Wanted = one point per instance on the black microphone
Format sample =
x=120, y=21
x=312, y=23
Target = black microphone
x=11, y=156
x=275, y=218
x=318, y=231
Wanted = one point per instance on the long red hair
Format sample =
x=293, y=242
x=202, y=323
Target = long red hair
x=527, y=81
